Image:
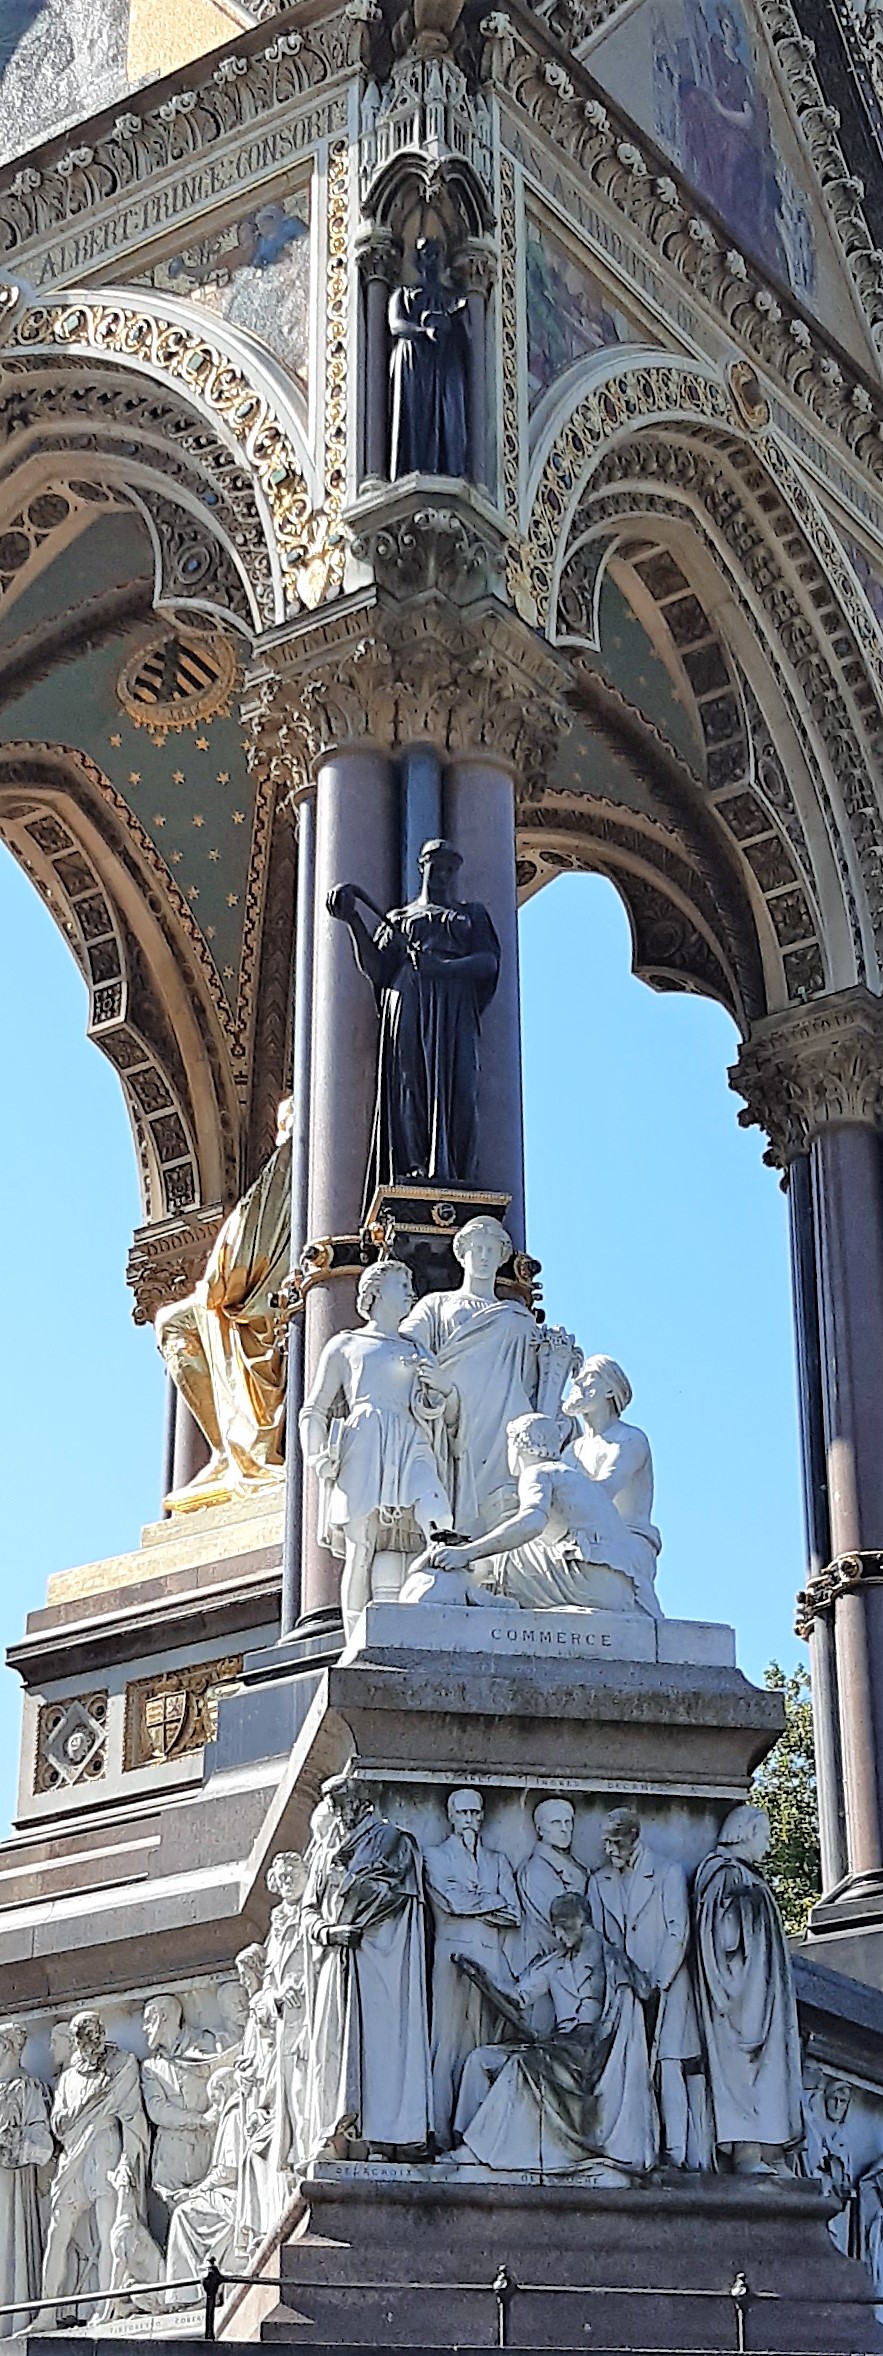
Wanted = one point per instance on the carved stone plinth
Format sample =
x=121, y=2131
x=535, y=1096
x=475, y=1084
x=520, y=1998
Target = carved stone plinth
x=577, y=2261
x=811, y=1067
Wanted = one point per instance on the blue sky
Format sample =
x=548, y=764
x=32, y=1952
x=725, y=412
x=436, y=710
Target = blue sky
x=663, y=1239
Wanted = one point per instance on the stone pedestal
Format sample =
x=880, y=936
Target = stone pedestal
x=388, y=2259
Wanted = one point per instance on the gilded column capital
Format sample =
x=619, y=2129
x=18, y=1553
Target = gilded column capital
x=468, y=680
x=166, y=1259
x=810, y=1067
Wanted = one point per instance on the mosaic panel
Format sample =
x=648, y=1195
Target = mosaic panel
x=569, y=313
x=255, y=273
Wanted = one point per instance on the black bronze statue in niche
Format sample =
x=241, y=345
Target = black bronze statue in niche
x=434, y=967
x=428, y=369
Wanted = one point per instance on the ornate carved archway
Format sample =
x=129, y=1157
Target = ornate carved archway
x=654, y=471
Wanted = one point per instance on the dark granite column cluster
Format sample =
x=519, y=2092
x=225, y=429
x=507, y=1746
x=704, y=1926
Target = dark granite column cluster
x=372, y=812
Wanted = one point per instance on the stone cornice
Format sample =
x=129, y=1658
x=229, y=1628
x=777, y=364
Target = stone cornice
x=119, y=181
x=375, y=672
x=810, y=1068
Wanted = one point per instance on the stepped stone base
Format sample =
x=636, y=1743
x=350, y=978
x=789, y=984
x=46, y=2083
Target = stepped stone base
x=350, y=2274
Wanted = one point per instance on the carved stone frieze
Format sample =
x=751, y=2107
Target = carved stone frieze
x=840, y=1577
x=469, y=680
x=809, y=1067
x=166, y=1259
x=162, y=159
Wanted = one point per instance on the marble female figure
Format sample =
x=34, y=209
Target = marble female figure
x=617, y=1455
x=434, y=967
x=428, y=369
x=491, y=1350
x=377, y=1464
x=564, y=1544
x=746, y=2000
x=25, y=2145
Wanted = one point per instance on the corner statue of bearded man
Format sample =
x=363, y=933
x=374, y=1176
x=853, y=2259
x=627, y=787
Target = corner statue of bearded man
x=222, y=1346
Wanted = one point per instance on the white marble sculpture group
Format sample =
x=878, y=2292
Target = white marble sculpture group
x=426, y=2001
x=457, y=1436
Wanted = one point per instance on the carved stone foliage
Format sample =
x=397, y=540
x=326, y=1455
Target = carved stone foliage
x=477, y=683
x=800, y=1070
x=167, y=1716
x=456, y=549
x=166, y=1259
x=71, y=1744
x=831, y=690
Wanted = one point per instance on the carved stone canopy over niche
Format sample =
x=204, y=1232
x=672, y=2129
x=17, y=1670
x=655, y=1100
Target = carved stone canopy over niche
x=811, y=1067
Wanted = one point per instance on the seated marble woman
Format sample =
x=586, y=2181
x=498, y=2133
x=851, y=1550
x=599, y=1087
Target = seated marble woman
x=578, y=2099
x=566, y=1544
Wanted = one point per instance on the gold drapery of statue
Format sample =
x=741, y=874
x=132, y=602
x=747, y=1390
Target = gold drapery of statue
x=222, y=1347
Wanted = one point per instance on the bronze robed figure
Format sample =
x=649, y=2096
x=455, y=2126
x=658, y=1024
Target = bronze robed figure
x=434, y=966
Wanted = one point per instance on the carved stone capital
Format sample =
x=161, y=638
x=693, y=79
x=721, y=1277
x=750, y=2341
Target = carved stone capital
x=379, y=255
x=810, y=1067
x=467, y=679
x=840, y=1577
x=166, y=1259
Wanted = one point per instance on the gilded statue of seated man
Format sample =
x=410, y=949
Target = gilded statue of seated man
x=565, y=1544
x=222, y=1347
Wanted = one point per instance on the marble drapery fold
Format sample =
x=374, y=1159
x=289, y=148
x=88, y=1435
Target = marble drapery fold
x=746, y=1998
x=363, y=1917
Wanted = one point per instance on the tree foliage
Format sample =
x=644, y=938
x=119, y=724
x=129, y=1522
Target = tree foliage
x=786, y=1787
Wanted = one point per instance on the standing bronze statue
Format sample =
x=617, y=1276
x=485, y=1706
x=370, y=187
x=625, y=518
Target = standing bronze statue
x=434, y=967
x=428, y=369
